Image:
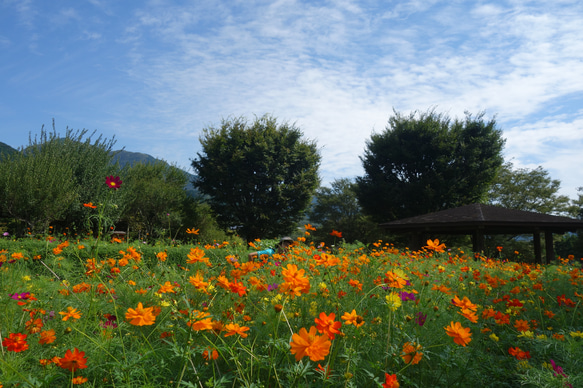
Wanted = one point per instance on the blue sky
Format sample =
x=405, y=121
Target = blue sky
x=155, y=73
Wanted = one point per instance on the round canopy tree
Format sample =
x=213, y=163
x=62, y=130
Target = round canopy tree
x=259, y=177
x=425, y=162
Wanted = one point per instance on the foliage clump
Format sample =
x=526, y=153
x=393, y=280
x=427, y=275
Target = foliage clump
x=259, y=177
x=426, y=162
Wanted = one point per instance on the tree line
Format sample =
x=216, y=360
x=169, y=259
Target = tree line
x=259, y=179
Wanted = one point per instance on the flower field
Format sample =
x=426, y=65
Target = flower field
x=195, y=315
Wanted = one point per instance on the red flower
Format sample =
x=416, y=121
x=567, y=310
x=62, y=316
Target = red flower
x=16, y=342
x=336, y=233
x=518, y=353
x=79, y=380
x=73, y=360
x=113, y=182
x=391, y=381
x=327, y=324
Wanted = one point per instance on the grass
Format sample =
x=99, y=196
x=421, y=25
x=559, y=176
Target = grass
x=218, y=320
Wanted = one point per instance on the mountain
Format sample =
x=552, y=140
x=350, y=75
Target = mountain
x=5, y=149
x=124, y=157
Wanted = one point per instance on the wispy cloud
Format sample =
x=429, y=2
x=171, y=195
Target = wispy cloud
x=336, y=69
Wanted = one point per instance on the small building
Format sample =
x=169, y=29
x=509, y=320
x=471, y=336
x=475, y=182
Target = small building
x=479, y=220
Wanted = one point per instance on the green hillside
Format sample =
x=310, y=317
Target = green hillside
x=126, y=157
x=5, y=149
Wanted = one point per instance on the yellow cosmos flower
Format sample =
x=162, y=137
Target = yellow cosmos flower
x=393, y=301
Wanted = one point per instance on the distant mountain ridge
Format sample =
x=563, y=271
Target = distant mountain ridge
x=124, y=158
x=5, y=149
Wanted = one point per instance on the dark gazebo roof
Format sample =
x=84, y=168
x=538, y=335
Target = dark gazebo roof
x=480, y=220
x=490, y=219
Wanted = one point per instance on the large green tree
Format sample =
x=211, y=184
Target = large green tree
x=155, y=196
x=53, y=176
x=528, y=190
x=259, y=176
x=426, y=162
x=337, y=208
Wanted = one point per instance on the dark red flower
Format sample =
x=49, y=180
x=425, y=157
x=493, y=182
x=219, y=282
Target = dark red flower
x=113, y=182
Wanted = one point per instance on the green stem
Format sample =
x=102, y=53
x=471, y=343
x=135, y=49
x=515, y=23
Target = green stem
x=96, y=344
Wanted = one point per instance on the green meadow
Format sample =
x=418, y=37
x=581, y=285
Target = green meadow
x=81, y=311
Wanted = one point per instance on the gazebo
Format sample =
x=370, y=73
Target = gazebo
x=479, y=220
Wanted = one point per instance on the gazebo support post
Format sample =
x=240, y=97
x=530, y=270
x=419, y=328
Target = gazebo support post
x=549, y=245
x=537, y=247
x=416, y=240
x=478, y=241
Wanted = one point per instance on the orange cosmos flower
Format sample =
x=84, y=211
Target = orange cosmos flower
x=238, y=288
x=435, y=246
x=166, y=288
x=327, y=324
x=324, y=370
x=71, y=313
x=521, y=325
x=394, y=280
x=210, y=354
x=305, y=343
x=162, y=256
x=141, y=316
x=356, y=284
x=411, y=353
x=79, y=380
x=558, y=336
x=465, y=303
x=391, y=381
x=203, y=324
x=47, y=337
x=73, y=360
x=192, y=231
x=353, y=319
x=441, y=288
x=90, y=205
x=309, y=227
x=518, y=353
x=34, y=326
x=296, y=283
x=461, y=335
x=233, y=328
x=336, y=233
x=198, y=281
x=197, y=255
x=16, y=342
x=470, y=315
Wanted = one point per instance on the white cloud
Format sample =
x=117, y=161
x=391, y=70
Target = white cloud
x=303, y=62
x=337, y=69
